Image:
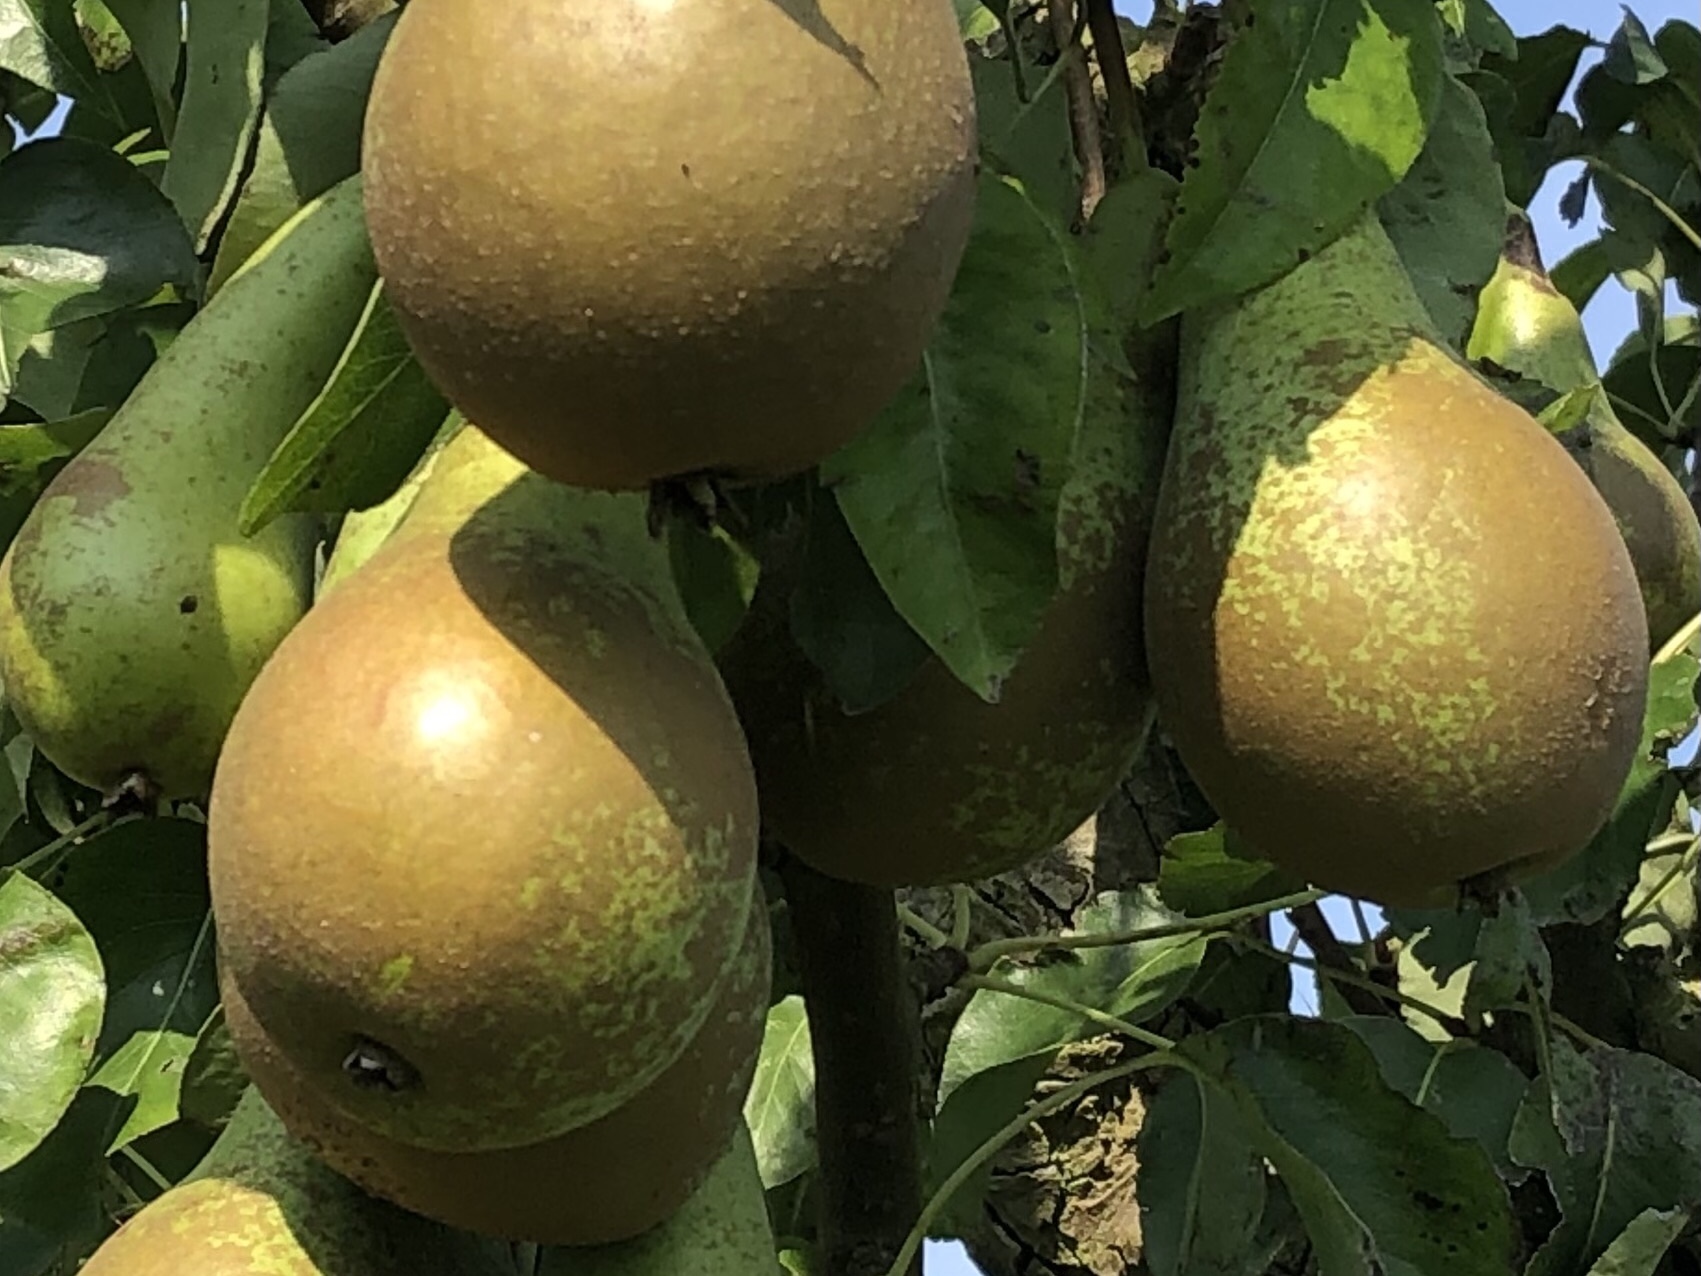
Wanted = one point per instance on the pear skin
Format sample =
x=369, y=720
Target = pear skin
x=133, y=615
x=1528, y=327
x=487, y=889
x=1395, y=634
x=603, y=1182
x=260, y=1204
x=936, y=785
x=722, y=1230
x=650, y=240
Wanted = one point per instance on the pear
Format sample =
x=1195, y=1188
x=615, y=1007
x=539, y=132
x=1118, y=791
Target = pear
x=603, y=1182
x=1527, y=326
x=936, y=785
x=133, y=616
x=364, y=531
x=260, y=1204
x=1395, y=634
x=722, y=1230
x=483, y=834
x=636, y=240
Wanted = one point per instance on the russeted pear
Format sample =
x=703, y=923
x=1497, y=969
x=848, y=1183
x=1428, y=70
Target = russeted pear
x=636, y=240
x=936, y=785
x=721, y=1230
x=603, y=1182
x=260, y=1204
x=363, y=531
x=483, y=834
x=1395, y=635
x=133, y=615
x=1527, y=326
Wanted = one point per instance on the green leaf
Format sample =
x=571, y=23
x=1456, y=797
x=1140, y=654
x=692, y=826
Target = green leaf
x=1596, y=879
x=221, y=105
x=291, y=37
x=1447, y=217
x=96, y=363
x=1202, y=1185
x=26, y=451
x=140, y=888
x=842, y=619
x=82, y=234
x=155, y=28
x=1630, y=55
x=1580, y=273
x=357, y=441
x=213, y=1075
x=1487, y=31
x=780, y=1105
x=309, y=140
x=1617, y=1133
x=953, y=491
x=1027, y=140
x=52, y=990
x=1523, y=117
x=1474, y=1090
x=53, y=1204
x=1003, y=1044
x=1231, y=984
x=1637, y=1250
x=1665, y=921
x=1320, y=107
x=1130, y=981
x=149, y=1066
x=1510, y=956
x=1205, y=873
x=1629, y=380
x=715, y=577
x=974, y=20
x=1646, y=228
x=1383, y=1186
x=40, y=42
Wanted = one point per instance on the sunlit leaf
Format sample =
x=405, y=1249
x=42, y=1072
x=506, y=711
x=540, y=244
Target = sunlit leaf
x=52, y=991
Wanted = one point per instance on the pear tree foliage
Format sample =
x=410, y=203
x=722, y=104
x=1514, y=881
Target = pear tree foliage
x=1510, y=1086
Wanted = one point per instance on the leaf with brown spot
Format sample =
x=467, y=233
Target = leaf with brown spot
x=52, y=994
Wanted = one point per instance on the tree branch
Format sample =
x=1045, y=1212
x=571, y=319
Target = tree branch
x=864, y=1027
x=1120, y=105
x=1083, y=107
x=339, y=19
x=1312, y=927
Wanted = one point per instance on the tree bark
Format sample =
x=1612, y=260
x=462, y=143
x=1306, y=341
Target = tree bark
x=1064, y=1199
x=862, y=1018
x=339, y=19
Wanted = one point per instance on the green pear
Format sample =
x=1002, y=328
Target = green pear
x=1395, y=634
x=722, y=1230
x=1527, y=326
x=483, y=834
x=936, y=785
x=133, y=615
x=260, y=1204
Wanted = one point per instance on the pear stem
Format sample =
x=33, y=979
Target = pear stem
x=865, y=1032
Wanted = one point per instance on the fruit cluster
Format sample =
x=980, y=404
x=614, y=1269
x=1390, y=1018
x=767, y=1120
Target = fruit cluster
x=484, y=805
